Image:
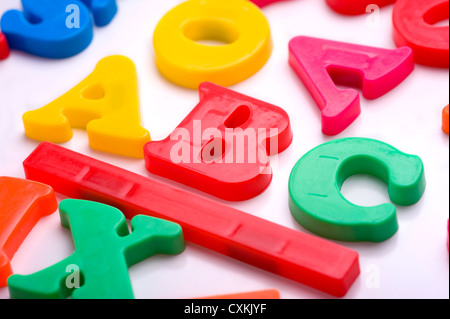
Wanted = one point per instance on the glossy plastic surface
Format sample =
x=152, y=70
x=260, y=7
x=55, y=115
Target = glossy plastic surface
x=22, y=204
x=104, y=249
x=414, y=27
x=103, y=11
x=306, y=259
x=321, y=64
x=45, y=28
x=222, y=146
x=445, y=119
x=106, y=104
x=263, y=294
x=354, y=7
x=318, y=205
x=4, y=48
x=239, y=26
x=263, y=3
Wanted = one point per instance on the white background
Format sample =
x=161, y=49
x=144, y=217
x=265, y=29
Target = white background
x=412, y=264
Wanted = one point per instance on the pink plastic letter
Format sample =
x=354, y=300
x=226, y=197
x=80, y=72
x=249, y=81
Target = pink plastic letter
x=322, y=63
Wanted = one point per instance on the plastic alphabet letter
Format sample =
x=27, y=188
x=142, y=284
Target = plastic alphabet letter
x=320, y=62
x=41, y=29
x=104, y=251
x=306, y=259
x=318, y=205
x=106, y=104
x=225, y=146
x=445, y=119
x=263, y=3
x=4, y=48
x=263, y=294
x=414, y=27
x=354, y=7
x=22, y=204
x=103, y=11
x=240, y=25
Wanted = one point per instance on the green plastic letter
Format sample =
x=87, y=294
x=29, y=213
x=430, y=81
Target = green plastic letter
x=98, y=269
x=316, y=201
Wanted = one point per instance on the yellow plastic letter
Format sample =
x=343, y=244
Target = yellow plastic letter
x=239, y=24
x=106, y=104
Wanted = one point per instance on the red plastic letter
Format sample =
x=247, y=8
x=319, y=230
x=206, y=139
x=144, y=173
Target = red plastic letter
x=4, y=48
x=263, y=3
x=354, y=7
x=289, y=253
x=320, y=62
x=221, y=147
x=22, y=204
x=414, y=26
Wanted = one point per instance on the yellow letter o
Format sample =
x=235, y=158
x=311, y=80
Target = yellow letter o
x=239, y=24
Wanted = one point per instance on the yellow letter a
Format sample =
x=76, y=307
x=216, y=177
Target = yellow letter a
x=106, y=104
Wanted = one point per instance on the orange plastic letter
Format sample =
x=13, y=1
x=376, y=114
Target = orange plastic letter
x=22, y=204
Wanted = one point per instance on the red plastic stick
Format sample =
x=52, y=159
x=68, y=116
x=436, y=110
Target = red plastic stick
x=22, y=204
x=354, y=7
x=289, y=253
x=320, y=62
x=263, y=3
x=414, y=27
x=222, y=146
x=4, y=48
